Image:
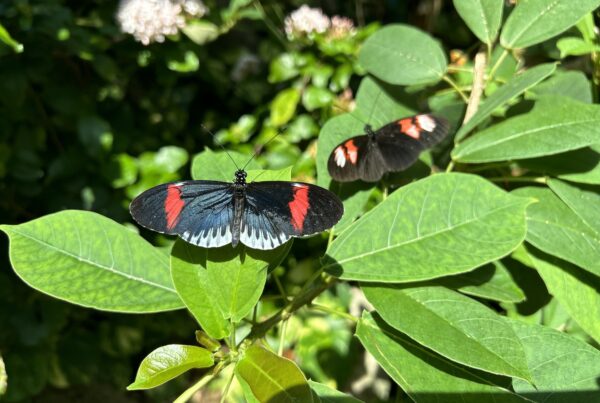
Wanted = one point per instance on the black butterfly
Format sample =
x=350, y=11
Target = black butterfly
x=261, y=215
x=394, y=147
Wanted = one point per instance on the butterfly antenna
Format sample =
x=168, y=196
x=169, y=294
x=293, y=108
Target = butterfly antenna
x=220, y=145
x=279, y=131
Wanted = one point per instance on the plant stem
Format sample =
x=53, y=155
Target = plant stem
x=280, y=286
x=187, y=395
x=497, y=64
x=526, y=179
x=450, y=166
x=282, y=330
x=226, y=390
x=310, y=292
x=478, y=85
x=334, y=311
x=456, y=88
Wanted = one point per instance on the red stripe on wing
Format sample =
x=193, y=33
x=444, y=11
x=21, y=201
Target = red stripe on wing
x=173, y=205
x=299, y=206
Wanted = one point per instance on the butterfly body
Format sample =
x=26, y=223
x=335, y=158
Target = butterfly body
x=261, y=215
x=392, y=148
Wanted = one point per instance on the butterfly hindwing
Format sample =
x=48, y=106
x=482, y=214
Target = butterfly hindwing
x=276, y=211
x=200, y=212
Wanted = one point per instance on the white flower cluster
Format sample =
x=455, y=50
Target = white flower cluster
x=306, y=20
x=151, y=20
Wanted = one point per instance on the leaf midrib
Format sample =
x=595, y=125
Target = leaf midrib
x=92, y=263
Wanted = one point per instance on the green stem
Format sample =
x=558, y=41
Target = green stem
x=450, y=166
x=280, y=286
x=526, y=179
x=456, y=88
x=187, y=395
x=327, y=309
x=226, y=390
x=282, y=330
x=497, y=65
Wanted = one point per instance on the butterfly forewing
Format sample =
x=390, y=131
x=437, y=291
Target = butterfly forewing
x=200, y=212
x=394, y=147
x=276, y=211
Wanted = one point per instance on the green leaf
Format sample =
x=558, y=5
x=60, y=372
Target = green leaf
x=452, y=325
x=555, y=229
x=284, y=106
x=188, y=62
x=483, y=17
x=3, y=377
x=564, y=369
x=95, y=134
x=492, y=281
x=581, y=166
x=224, y=280
x=315, y=98
x=575, y=46
x=572, y=84
x=583, y=200
x=424, y=375
x=534, y=21
x=122, y=170
x=210, y=165
x=574, y=288
x=193, y=286
x=441, y=225
x=90, y=260
x=168, y=362
x=272, y=378
x=330, y=395
x=201, y=31
x=282, y=68
x=8, y=40
x=403, y=55
x=515, y=87
x=554, y=126
x=261, y=175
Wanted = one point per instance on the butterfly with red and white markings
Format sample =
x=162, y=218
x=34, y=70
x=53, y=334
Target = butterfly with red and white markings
x=261, y=215
x=392, y=148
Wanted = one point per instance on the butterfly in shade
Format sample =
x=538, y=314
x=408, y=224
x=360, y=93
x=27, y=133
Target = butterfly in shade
x=392, y=148
x=261, y=215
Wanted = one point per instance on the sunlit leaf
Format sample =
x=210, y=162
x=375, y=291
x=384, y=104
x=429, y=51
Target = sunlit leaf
x=403, y=55
x=90, y=260
x=168, y=362
x=272, y=378
x=442, y=225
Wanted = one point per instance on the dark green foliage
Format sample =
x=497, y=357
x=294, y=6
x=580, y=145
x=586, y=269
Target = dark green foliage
x=484, y=278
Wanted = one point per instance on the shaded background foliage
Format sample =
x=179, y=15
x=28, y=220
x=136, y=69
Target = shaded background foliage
x=89, y=118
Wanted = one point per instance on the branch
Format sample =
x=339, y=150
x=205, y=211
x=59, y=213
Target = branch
x=478, y=84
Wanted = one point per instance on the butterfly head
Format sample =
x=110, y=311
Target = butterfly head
x=369, y=130
x=240, y=177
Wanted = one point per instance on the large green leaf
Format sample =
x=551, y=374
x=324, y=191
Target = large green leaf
x=515, y=87
x=583, y=200
x=575, y=289
x=271, y=378
x=442, y=225
x=210, y=165
x=483, y=17
x=554, y=126
x=555, y=229
x=90, y=260
x=403, y=55
x=581, y=166
x=424, y=375
x=492, y=281
x=534, y=21
x=564, y=369
x=453, y=325
x=221, y=283
x=330, y=395
x=168, y=362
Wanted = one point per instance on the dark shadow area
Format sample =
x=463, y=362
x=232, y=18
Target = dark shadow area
x=532, y=285
x=571, y=162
